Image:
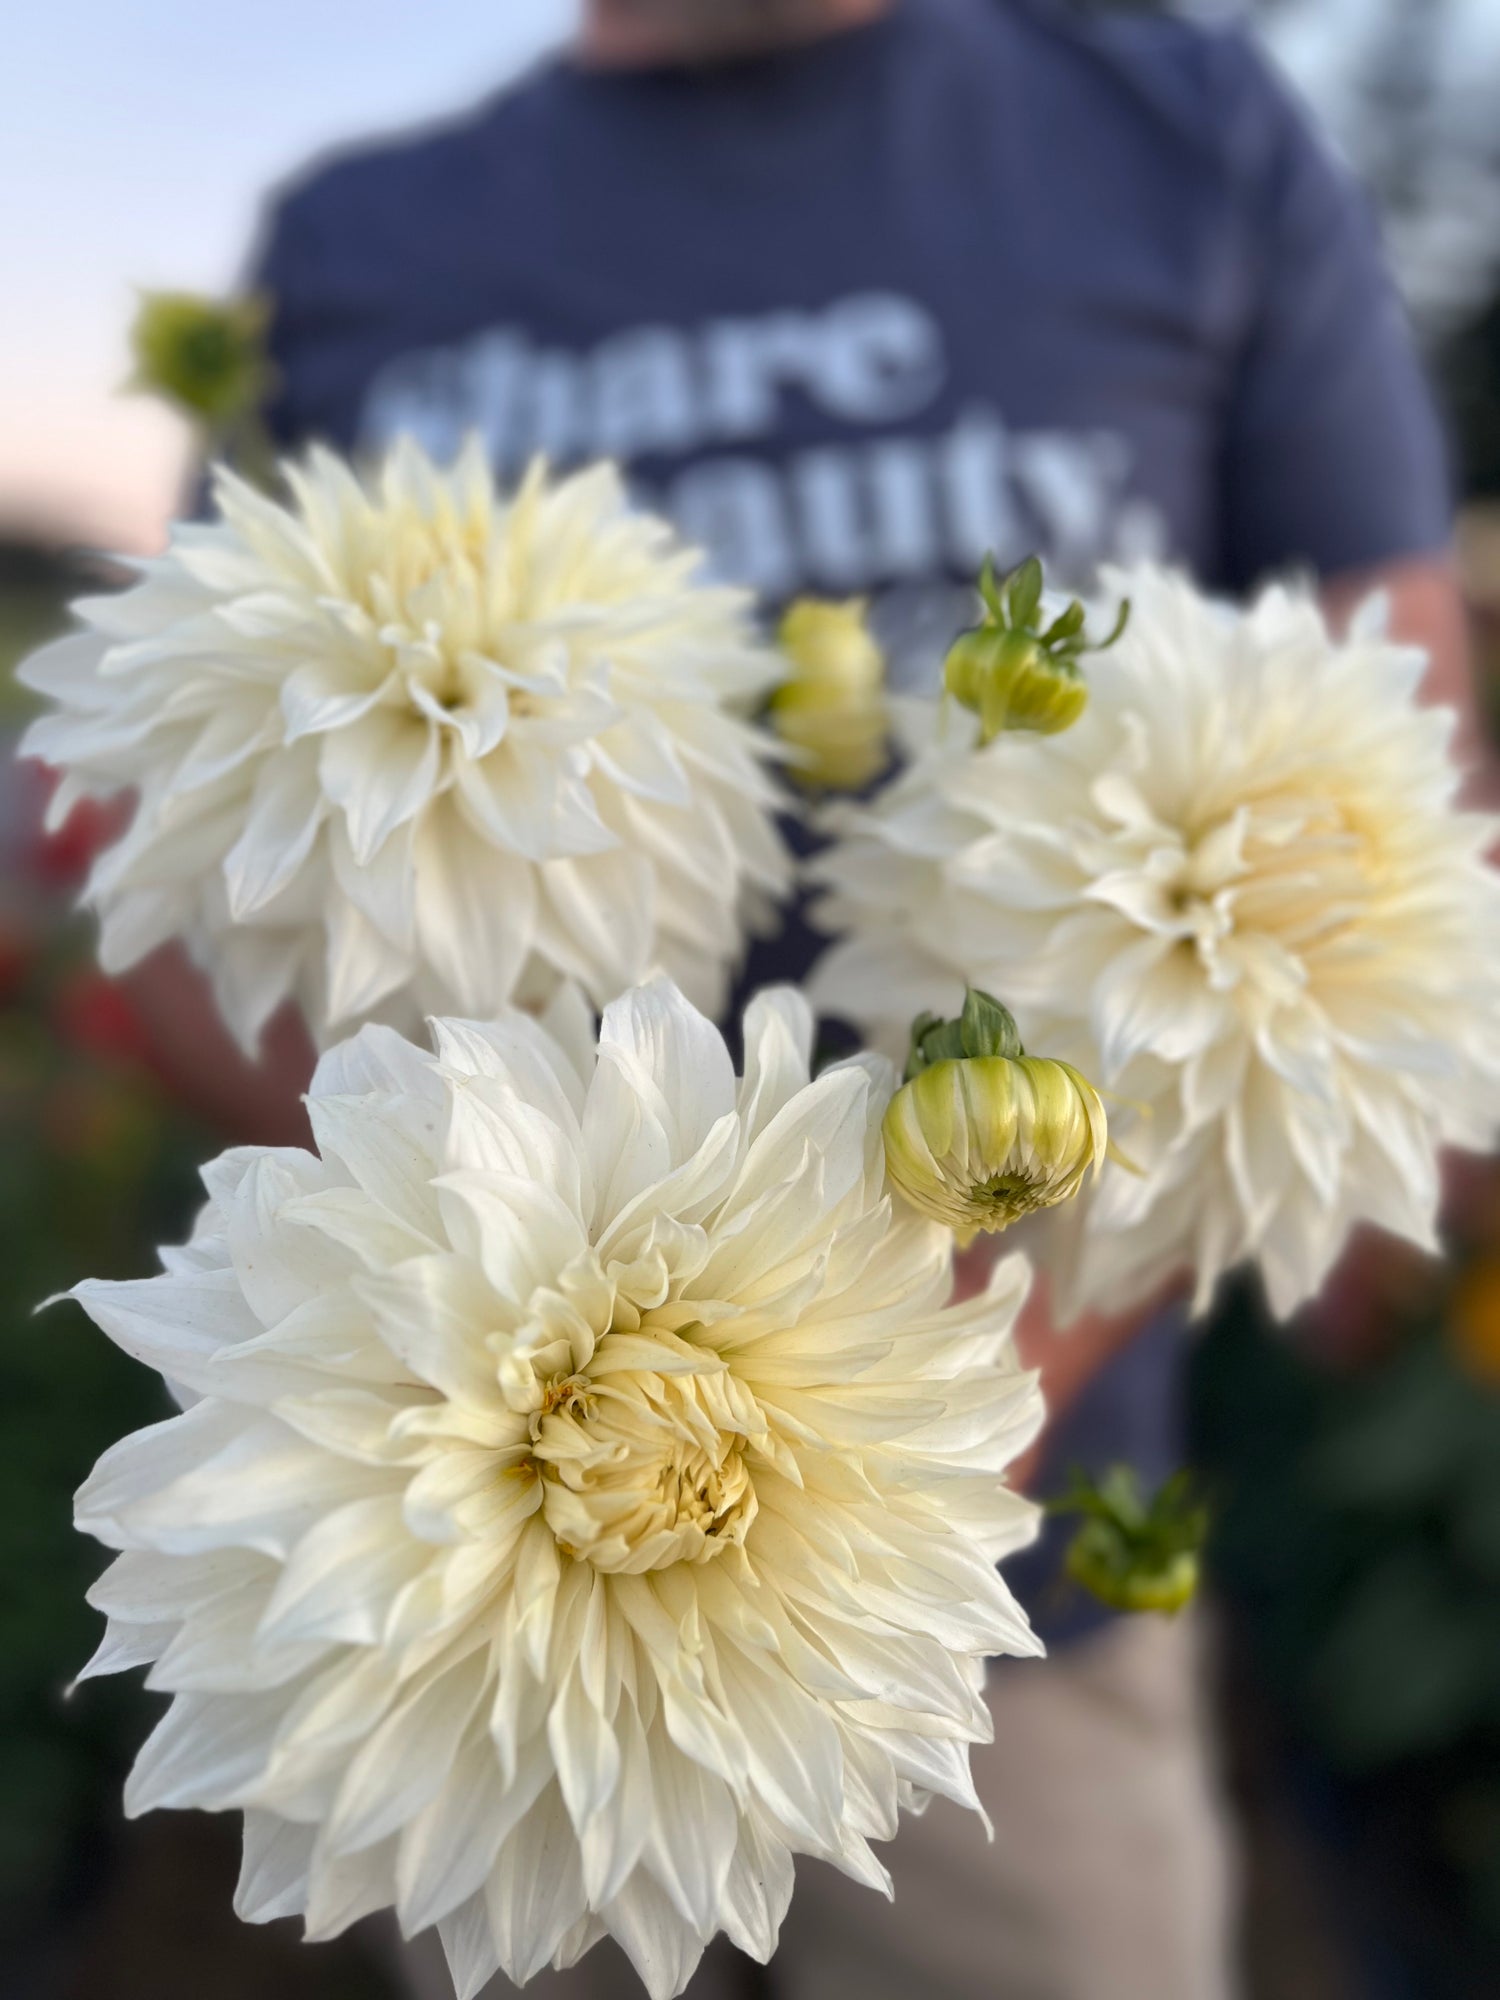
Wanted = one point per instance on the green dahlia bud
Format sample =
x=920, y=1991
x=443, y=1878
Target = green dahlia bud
x=831, y=707
x=208, y=356
x=1131, y=1554
x=1013, y=671
x=980, y=1133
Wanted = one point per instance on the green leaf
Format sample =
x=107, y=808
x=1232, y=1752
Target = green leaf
x=1406, y=1667
x=984, y=1028
x=1116, y=631
x=1024, y=592
x=1067, y=625
x=989, y=590
x=933, y=1040
x=987, y=1028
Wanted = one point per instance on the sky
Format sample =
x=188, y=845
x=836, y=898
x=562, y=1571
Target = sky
x=135, y=143
x=138, y=136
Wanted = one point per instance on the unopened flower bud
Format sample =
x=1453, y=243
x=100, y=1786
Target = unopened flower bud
x=1014, y=671
x=831, y=707
x=206, y=355
x=982, y=1134
x=1131, y=1554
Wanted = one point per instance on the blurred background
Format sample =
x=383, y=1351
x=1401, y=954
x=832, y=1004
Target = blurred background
x=1356, y=1550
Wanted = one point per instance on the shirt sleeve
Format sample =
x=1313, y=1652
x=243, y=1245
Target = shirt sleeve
x=1334, y=458
x=289, y=268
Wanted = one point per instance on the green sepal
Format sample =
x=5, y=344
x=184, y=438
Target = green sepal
x=1024, y=593
x=984, y=1028
x=1067, y=625
x=990, y=590
x=1116, y=631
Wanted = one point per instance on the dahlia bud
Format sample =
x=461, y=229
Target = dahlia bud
x=1014, y=672
x=831, y=708
x=208, y=356
x=980, y=1133
x=1131, y=1554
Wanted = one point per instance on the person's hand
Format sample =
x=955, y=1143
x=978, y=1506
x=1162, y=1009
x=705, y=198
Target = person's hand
x=251, y=1103
x=1067, y=1359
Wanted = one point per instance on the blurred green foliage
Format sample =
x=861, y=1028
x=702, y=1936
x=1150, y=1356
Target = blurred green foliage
x=96, y=1167
x=1356, y=1528
x=205, y=356
x=92, y=1173
x=33, y=586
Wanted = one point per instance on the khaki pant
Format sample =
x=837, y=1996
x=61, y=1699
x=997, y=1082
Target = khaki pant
x=1108, y=1878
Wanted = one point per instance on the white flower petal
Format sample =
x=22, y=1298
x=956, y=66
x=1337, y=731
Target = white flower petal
x=340, y=1578
x=273, y=1873
x=285, y=814
x=534, y=1895
x=402, y=1765
x=475, y=910
x=682, y=1053
x=173, y=1324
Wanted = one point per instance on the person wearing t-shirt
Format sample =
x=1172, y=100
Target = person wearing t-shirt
x=861, y=291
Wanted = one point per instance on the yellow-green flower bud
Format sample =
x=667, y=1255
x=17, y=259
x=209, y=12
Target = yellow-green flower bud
x=1010, y=683
x=981, y=1134
x=206, y=355
x=1130, y=1554
x=830, y=709
x=1166, y=1587
x=1013, y=671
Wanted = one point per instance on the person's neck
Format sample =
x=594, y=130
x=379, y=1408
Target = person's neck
x=620, y=36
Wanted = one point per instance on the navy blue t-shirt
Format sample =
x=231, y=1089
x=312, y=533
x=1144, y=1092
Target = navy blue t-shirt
x=984, y=276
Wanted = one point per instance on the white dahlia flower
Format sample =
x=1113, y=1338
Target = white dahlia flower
x=1239, y=894
x=586, y=1498
x=406, y=746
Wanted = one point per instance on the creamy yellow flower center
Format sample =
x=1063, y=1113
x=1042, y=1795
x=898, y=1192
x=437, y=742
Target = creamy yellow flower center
x=1297, y=870
x=638, y=1470
x=424, y=585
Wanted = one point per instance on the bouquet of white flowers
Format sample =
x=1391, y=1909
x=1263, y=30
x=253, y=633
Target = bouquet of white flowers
x=585, y=1496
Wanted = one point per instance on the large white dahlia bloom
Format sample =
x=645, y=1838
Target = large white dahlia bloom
x=404, y=745
x=1239, y=893
x=586, y=1498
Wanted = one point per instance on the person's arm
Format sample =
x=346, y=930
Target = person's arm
x=250, y=1103
x=1067, y=1359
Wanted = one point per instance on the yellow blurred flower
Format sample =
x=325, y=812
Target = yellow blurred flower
x=1475, y=1319
x=831, y=707
x=982, y=1134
